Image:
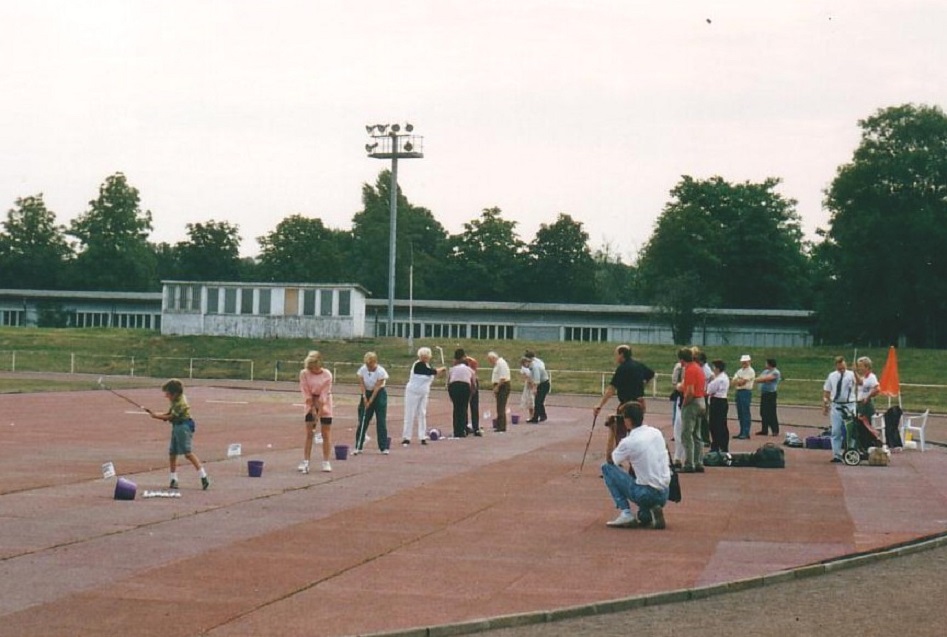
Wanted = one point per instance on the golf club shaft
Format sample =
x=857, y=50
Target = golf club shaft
x=125, y=398
x=582, y=466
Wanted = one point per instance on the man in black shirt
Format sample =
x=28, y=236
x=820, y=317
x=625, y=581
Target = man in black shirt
x=628, y=381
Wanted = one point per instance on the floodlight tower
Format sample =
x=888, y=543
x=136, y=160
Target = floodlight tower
x=389, y=142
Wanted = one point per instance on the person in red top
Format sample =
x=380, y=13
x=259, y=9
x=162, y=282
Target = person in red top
x=693, y=390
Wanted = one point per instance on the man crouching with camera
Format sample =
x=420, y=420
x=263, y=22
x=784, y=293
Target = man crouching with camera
x=646, y=485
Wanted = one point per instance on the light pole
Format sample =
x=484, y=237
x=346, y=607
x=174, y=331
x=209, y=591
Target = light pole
x=389, y=142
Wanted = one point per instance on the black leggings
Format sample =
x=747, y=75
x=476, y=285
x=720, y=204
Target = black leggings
x=459, y=393
x=719, y=433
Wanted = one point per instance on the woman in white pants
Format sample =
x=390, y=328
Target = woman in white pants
x=416, y=394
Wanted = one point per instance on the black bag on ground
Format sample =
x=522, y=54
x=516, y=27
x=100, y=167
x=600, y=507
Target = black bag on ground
x=769, y=456
x=716, y=459
x=892, y=424
x=742, y=459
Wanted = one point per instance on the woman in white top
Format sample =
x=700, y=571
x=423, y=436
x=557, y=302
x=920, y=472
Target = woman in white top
x=868, y=388
x=460, y=384
x=371, y=381
x=717, y=390
x=416, y=394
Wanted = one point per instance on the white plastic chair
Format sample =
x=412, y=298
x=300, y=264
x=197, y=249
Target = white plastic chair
x=916, y=425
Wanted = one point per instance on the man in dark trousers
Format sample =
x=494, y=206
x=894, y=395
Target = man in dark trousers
x=628, y=381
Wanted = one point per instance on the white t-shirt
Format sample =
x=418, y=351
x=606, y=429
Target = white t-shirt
x=719, y=386
x=369, y=378
x=868, y=385
x=538, y=369
x=501, y=371
x=645, y=449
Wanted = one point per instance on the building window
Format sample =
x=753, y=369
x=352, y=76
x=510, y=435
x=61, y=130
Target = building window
x=230, y=300
x=213, y=300
x=325, y=302
x=183, y=298
x=246, y=301
x=492, y=332
x=309, y=302
x=345, y=302
x=291, y=302
x=265, y=296
x=586, y=334
x=11, y=317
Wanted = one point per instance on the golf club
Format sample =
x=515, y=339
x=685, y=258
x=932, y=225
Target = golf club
x=125, y=398
x=582, y=466
x=440, y=350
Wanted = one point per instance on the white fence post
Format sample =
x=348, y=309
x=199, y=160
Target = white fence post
x=72, y=362
x=190, y=371
x=133, y=367
x=13, y=362
x=251, y=370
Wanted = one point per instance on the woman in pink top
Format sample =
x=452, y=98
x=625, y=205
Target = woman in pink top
x=315, y=383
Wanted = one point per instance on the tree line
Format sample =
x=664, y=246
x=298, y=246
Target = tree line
x=876, y=274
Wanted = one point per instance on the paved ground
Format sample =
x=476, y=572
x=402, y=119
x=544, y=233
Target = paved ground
x=455, y=531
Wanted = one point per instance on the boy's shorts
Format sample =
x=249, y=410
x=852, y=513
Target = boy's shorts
x=180, y=439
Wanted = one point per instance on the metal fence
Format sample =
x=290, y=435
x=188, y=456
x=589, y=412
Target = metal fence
x=800, y=390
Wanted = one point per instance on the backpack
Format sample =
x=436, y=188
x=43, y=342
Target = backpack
x=769, y=456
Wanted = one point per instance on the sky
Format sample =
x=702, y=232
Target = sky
x=249, y=111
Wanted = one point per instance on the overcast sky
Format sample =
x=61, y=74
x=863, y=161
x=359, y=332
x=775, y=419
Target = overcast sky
x=250, y=111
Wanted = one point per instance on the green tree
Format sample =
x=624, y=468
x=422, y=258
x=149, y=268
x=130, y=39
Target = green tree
x=486, y=260
x=615, y=280
x=113, y=233
x=882, y=263
x=560, y=267
x=211, y=252
x=33, y=247
x=738, y=245
x=419, y=234
x=303, y=250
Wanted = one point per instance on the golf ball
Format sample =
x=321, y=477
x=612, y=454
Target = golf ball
x=269, y=446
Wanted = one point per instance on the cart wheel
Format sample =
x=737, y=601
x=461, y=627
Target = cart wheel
x=851, y=457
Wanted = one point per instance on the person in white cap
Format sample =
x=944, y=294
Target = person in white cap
x=743, y=380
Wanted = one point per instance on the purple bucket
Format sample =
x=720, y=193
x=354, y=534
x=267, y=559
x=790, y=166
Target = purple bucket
x=515, y=419
x=255, y=468
x=494, y=423
x=341, y=452
x=826, y=442
x=125, y=489
x=388, y=443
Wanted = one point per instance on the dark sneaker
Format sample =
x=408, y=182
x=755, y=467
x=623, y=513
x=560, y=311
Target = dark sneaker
x=687, y=469
x=836, y=460
x=423, y=441
x=205, y=482
x=174, y=484
x=699, y=468
x=657, y=517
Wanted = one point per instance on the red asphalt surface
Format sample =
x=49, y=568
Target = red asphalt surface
x=454, y=531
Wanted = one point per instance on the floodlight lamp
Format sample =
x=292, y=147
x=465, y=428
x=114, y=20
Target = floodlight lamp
x=369, y=128
x=381, y=128
x=368, y=148
x=395, y=128
x=409, y=127
x=408, y=146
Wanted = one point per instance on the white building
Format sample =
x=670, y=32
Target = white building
x=263, y=310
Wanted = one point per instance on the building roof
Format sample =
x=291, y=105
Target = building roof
x=590, y=308
x=91, y=295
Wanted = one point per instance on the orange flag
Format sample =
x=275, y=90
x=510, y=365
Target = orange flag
x=890, y=384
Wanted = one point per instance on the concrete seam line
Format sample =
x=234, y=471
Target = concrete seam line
x=670, y=597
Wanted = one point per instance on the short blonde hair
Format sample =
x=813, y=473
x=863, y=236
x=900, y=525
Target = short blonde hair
x=370, y=357
x=424, y=351
x=311, y=358
x=864, y=360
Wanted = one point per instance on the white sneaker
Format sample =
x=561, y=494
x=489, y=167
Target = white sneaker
x=356, y=452
x=326, y=466
x=384, y=452
x=625, y=518
x=303, y=467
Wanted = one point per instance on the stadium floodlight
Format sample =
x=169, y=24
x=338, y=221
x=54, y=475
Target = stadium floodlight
x=388, y=142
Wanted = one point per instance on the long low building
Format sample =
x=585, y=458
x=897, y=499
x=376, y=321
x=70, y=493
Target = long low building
x=288, y=310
